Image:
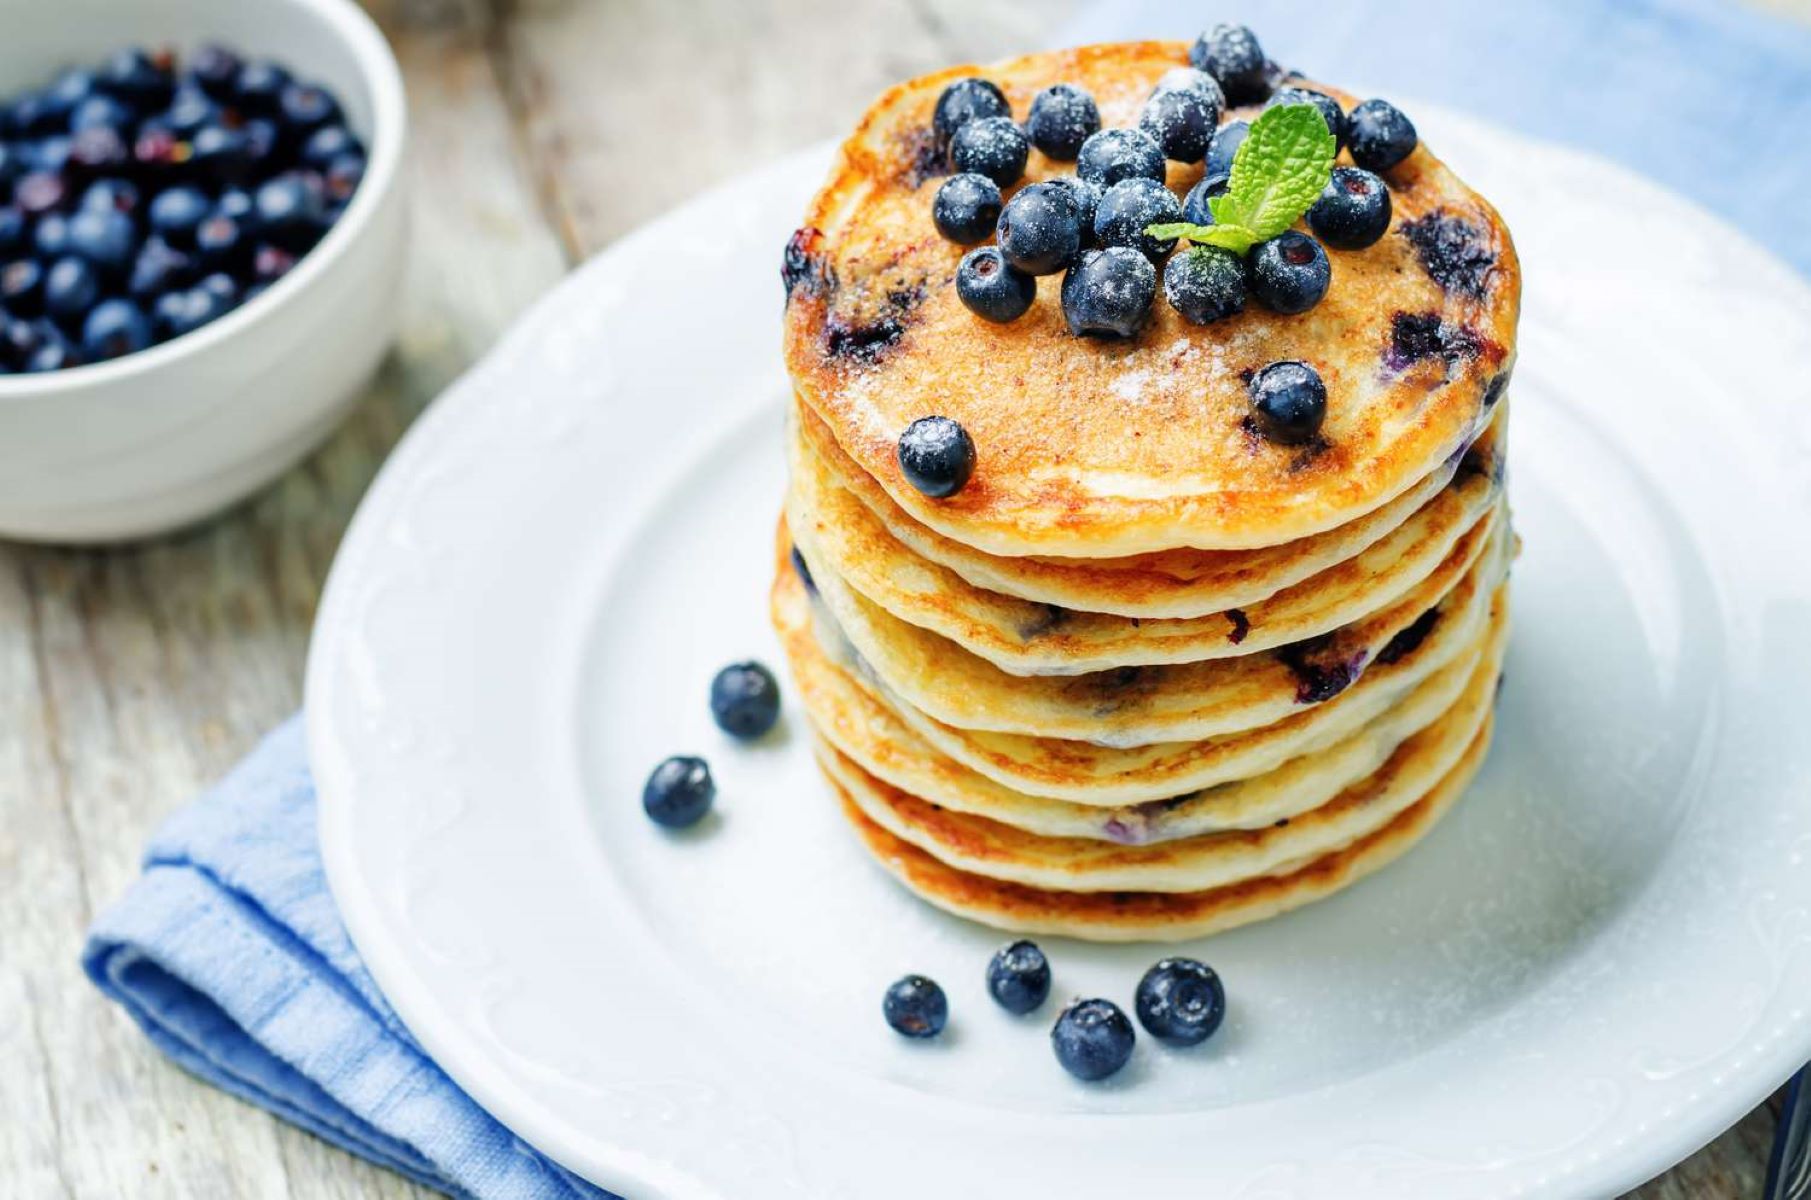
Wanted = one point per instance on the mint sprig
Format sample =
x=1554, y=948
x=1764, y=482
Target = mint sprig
x=1277, y=173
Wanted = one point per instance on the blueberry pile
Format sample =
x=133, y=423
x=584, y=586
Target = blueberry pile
x=1179, y=1001
x=147, y=196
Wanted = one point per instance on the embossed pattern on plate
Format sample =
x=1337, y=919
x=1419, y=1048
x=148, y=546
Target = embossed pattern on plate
x=1600, y=959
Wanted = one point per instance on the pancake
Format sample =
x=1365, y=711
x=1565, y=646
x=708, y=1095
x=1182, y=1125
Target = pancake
x=865, y=729
x=1158, y=916
x=1084, y=773
x=1164, y=584
x=1131, y=706
x=1096, y=449
x=1026, y=638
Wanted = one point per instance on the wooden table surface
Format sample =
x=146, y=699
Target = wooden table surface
x=130, y=678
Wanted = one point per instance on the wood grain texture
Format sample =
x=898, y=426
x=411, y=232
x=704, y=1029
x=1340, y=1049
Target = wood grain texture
x=131, y=678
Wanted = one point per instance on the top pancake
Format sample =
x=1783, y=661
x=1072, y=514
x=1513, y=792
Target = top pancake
x=1094, y=448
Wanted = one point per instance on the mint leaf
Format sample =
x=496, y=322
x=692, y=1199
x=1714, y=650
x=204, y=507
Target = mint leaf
x=1278, y=172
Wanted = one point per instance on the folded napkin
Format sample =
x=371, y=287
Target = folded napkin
x=1710, y=97
x=229, y=951
x=230, y=954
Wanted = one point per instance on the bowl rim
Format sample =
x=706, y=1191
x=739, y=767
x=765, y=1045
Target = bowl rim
x=377, y=65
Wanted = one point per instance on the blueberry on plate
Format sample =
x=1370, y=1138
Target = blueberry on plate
x=114, y=328
x=70, y=289
x=1205, y=284
x=1227, y=140
x=106, y=237
x=1288, y=401
x=1086, y=197
x=1040, y=229
x=1181, y=121
x=1195, y=208
x=1115, y=154
x=1108, y=293
x=1092, y=1039
x=1331, y=113
x=679, y=792
x=745, y=700
x=966, y=208
x=1232, y=55
x=1131, y=205
x=937, y=456
x=966, y=100
x=176, y=213
x=1290, y=272
x=916, y=1007
x=992, y=146
x=1378, y=135
x=1063, y=116
x=1353, y=210
x=1180, y=1001
x=1018, y=977
x=991, y=288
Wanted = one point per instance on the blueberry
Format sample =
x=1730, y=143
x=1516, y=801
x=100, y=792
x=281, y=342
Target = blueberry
x=916, y=1007
x=219, y=154
x=156, y=150
x=106, y=237
x=12, y=231
x=1109, y=292
x=261, y=142
x=1018, y=977
x=176, y=313
x=1288, y=401
x=1040, y=229
x=134, y=77
x=40, y=192
x=66, y=93
x=1086, y=197
x=1205, y=284
x=745, y=700
x=1063, y=116
x=288, y=210
x=966, y=208
x=47, y=154
x=1330, y=110
x=114, y=328
x=97, y=150
x=101, y=110
x=937, y=456
x=259, y=86
x=159, y=268
x=54, y=352
x=19, y=340
x=1182, y=121
x=237, y=204
x=305, y=107
x=1289, y=273
x=1180, y=1001
x=214, y=68
x=1353, y=210
x=22, y=288
x=222, y=288
x=966, y=100
x=114, y=195
x=190, y=109
x=328, y=143
x=1379, y=136
x=1195, y=208
x=679, y=792
x=991, y=146
x=177, y=212
x=1115, y=154
x=221, y=243
x=70, y=289
x=1227, y=140
x=1189, y=79
x=1128, y=207
x=1232, y=55
x=50, y=236
x=1092, y=1039
x=342, y=178
x=271, y=263
x=991, y=289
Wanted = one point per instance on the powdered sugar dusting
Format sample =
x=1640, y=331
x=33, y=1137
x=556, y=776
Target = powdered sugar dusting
x=1131, y=386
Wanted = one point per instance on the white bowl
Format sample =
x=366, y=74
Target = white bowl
x=162, y=438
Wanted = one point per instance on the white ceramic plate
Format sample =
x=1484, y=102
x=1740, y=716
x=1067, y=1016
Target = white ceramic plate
x=1595, y=964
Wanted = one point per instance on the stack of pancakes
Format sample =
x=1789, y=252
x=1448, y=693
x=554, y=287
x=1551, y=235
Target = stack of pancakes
x=1148, y=675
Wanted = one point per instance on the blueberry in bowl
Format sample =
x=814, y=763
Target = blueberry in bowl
x=138, y=398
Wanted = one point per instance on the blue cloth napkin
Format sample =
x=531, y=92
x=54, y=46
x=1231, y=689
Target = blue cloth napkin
x=229, y=951
x=230, y=954
x=1709, y=97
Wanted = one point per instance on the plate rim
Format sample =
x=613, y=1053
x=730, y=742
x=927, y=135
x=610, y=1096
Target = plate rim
x=622, y=1166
